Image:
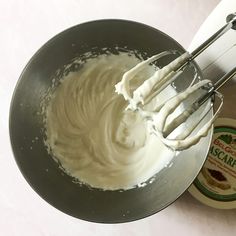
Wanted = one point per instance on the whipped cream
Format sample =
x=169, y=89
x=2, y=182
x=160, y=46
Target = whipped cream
x=91, y=134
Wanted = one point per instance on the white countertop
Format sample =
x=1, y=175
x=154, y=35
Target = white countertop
x=24, y=27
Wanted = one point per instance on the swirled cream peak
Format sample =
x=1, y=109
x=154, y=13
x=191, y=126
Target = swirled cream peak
x=154, y=84
x=91, y=134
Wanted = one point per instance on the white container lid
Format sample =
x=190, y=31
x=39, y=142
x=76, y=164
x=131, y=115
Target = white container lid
x=215, y=185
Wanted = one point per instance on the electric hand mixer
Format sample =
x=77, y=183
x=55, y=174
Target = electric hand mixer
x=150, y=88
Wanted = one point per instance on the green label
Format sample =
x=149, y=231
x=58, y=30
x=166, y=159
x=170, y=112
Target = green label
x=217, y=179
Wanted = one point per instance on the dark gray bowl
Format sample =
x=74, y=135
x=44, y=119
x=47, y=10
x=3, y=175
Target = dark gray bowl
x=42, y=172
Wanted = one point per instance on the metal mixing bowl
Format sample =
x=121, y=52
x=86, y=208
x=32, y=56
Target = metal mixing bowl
x=43, y=173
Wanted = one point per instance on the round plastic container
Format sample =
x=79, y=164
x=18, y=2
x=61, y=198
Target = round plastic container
x=215, y=185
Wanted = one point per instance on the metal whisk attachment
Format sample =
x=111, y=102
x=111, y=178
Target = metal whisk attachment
x=163, y=125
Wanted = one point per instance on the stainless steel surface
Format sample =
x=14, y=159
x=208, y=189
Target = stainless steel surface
x=231, y=18
x=43, y=173
x=199, y=102
x=225, y=79
x=215, y=87
x=231, y=24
